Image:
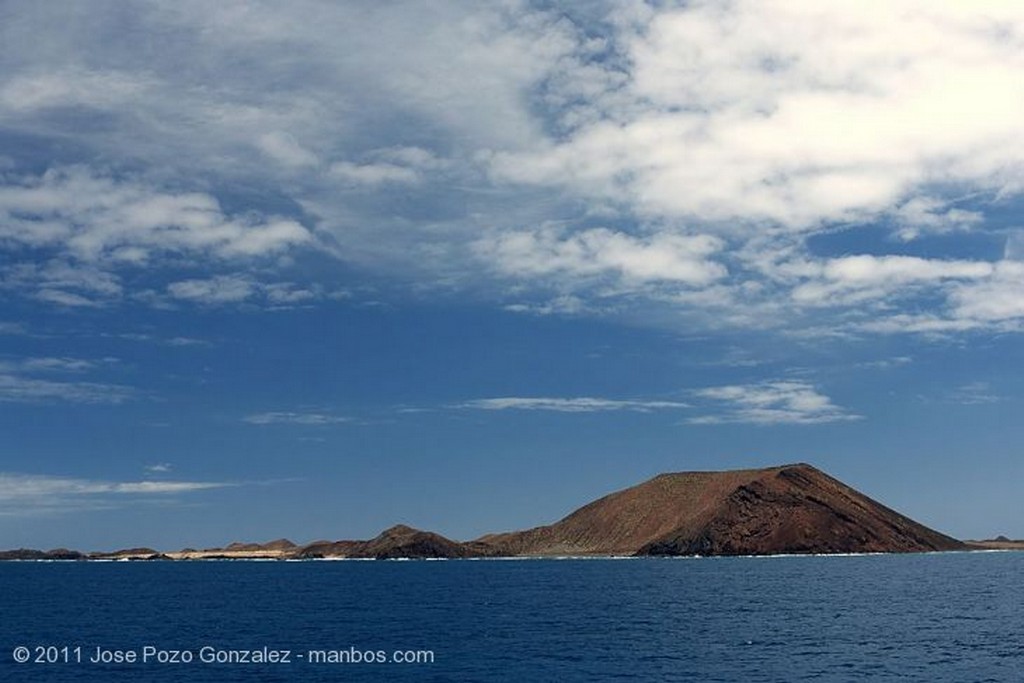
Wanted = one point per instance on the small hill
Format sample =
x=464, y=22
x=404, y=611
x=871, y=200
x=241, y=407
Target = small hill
x=405, y=541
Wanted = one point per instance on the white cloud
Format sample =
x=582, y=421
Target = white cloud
x=222, y=289
x=798, y=113
x=770, y=403
x=92, y=218
x=27, y=494
x=927, y=215
x=863, y=277
x=293, y=418
x=684, y=259
x=287, y=293
x=991, y=303
x=94, y=227
x=996, y=299
x=284, y=149
x=238, y=288
x=571, y=405
x=159, y=468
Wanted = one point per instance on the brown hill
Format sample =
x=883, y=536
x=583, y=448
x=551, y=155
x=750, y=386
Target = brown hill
x=787, y=509
x=405, y=541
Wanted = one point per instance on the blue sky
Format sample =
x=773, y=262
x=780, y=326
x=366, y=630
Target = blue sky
x=311, y=269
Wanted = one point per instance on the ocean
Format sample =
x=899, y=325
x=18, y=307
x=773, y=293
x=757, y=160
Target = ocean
x=932, y=617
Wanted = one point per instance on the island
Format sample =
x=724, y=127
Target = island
x=787, y=509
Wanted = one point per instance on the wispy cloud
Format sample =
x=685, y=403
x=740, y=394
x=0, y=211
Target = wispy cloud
x=571, y=405
x=27, y=494
x=169, y=341
x=886, y=363
x=159, y=467
x=293, y=418
x=61, y=364
x=222, y=289
x=28, y=380
x=769, y=403
x=20, y=389
x=974, y=393
x=240, y=288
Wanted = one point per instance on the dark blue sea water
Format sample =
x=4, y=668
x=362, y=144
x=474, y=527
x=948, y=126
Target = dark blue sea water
x=943, y=617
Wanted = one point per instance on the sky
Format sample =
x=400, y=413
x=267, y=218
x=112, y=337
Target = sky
x=311, y=269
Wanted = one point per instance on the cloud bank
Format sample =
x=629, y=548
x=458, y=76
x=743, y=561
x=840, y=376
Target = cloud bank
x=684, y=162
